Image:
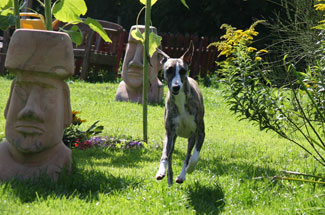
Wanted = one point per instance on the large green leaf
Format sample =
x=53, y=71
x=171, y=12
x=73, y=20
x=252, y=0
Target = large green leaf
x=7, y=21
x=185, y=4
x=154, y=43
x=4, y=3
x=6, y=12
x=4, y=23
x=75, y=34
x=69, y=10
x=136, y=34
x=145, y=2
x=154, y=40
x=98, y=28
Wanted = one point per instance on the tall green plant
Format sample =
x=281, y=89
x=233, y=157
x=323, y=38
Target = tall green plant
x=151, y=42
x=295, y=111
x=292, y=34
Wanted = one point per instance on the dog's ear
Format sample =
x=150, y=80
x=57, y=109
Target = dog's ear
x=165, y=57
x=187, y=56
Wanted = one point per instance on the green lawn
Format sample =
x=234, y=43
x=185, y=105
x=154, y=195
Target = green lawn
x=106, y=181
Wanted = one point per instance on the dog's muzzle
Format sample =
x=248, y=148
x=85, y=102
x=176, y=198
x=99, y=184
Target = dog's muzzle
x=175, y=89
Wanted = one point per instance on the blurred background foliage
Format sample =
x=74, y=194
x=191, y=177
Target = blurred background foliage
x=203, y=18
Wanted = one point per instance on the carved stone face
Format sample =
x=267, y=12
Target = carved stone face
x=35, y=113
x=132, y=69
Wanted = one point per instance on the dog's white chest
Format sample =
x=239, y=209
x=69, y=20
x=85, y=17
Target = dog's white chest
x=185, y=122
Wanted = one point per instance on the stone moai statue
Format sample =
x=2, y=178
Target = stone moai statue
x=38, y=107
x=130, y=89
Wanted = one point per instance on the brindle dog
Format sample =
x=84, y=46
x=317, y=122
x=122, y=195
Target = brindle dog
x=184, y=112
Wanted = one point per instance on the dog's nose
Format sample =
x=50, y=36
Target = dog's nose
x=176, y=88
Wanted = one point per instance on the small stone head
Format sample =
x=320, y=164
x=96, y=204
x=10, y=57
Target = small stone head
x=132, y=69
x=38, y=108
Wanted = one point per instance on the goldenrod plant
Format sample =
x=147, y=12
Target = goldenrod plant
x=294, y=111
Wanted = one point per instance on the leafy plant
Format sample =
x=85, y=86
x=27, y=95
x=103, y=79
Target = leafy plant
x=73, y=134
x=295, y=111
x=151, y=42
x=292, y=34
x=67, y=11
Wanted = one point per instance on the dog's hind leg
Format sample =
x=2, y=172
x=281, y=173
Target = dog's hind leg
x=181, y=177
x=195, y=156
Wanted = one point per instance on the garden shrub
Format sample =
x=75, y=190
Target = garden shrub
x=292, y=34
x=294, y=111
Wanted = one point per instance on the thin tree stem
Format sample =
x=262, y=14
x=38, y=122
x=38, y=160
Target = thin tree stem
x=145, y=71
x=48, y=15
x=16, y=13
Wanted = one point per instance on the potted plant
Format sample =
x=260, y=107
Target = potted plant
x=68, y=12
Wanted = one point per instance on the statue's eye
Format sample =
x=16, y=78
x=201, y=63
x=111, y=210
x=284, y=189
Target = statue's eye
x=182, y=71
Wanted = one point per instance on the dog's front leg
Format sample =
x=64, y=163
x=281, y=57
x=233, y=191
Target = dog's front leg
x=166, y=158
x=170, y=149
x=163, y=161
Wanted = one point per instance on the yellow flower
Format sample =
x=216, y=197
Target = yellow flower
x=320, y=7
x=263, y=51
x=258, y=59
x=251, y=49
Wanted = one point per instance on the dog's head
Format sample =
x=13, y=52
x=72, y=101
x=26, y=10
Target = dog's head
x=175, y=69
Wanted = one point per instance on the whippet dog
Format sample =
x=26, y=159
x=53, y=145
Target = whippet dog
x=184, y=112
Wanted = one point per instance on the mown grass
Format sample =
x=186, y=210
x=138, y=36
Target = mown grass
x=105, y=181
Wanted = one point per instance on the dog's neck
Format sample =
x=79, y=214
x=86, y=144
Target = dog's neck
x=180, y=99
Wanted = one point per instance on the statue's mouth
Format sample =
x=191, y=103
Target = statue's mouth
x=29, y=129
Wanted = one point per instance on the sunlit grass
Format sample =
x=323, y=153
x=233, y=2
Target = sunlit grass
x=106, y=181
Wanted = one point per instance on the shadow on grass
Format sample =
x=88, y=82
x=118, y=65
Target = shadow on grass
x=239, y=169
x=206, y=199
x=116, y=158
x=83, y=184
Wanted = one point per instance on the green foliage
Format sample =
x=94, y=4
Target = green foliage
x=67, y=11
x=292, y=34
x=7, y=17
x=293, y=111
x=74, y=135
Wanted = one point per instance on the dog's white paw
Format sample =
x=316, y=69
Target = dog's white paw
x=160, y=176
x=180, y=179
x=162, y=170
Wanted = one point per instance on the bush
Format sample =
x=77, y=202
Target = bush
x=292, y=34
x=294, y=111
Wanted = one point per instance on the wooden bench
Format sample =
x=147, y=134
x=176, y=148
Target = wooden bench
x=95, y=54
x=3, y=50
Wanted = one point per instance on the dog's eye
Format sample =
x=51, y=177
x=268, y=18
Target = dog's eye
x=170, y=70
x=182, y=71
